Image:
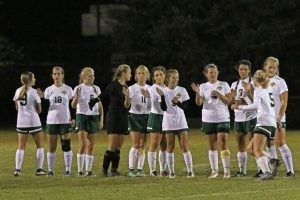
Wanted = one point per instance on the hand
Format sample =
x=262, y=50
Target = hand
x=215, y=93
x=195, y=88
x=175, y=100
x=40, y=93
x=247, y=88
x=138, y=107
x=234, y=106
x=78, y=91
x=73, y=122
x=159, y=91
x=233, y=93
x=145, y=93
x=278, y=121
x=125, y=91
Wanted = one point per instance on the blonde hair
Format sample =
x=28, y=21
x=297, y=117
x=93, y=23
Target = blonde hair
x=272, y=60
x=209, y=66
x=84, y=72
x=169, y=73
x=262, y=78
x=144, y=69
x=26, y=78
x=62, y=71
x=120, y=70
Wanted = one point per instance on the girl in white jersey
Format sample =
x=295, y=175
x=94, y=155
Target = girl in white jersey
x=280, y=92
x=266, y=121
x=137, y=120
x=214, y=95
x=154, y=125
x=173, y=99
x=59, y=96
x=28, y=105
x=244, y=121
x=87, y=120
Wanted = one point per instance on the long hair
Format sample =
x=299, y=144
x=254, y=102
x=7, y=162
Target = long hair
x=168, y=75
x=144, y=69
x=120, y=70
x=262, y=78
x=84, y=72
x=26, y=78
x=272, y=60
x=158, y=68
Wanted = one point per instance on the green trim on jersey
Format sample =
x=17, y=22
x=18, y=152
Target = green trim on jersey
x=138, y=122
x=176, y=132
x=87, y=123
x=268, y=131
x=154, y=124
x=58, y=129
x=245, y=127
x=214, y=128
x=29, y=130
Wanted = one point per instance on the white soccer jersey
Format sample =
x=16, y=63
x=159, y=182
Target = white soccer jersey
x=139, y=103
x=214, y=110
x=27, y=114
x=264, y=104
x=174, y=117
x=87, y=92
x=59, y=98
x=155, y=99
x=278, y=86
x=242, y=115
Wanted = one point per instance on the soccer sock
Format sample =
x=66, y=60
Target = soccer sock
x=287, y=157
x=50, y=159
x=213, y=160
x=40, y=158
x=115, y=160
x=107, y=159
x=225, y=155
x=162, y=155
x=242, y=161
x=132, y=158
x=263, y=164
x=272, y=151
x=89, y=159
x=68, y=156
x=170, y=160
x=80, y=162
x=141, y=159
x=267, y=155
x=188, y=161
x=19, y=158
x=152, y=161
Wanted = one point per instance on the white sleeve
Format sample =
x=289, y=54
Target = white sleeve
x=74, y=92
x=282, y=87
x=70, y=93
x=37, y=97
x=252, y=106
x=233, y=85
x=185, y=95
x=201, y=90
x=98, y=90
x=16, y=95
x=226, y=88
x=47, y=94
x=130, y=92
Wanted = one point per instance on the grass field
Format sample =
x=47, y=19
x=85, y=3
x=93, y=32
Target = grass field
x=28, y=186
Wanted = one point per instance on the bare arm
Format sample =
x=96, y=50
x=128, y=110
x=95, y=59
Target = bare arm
x=225, y=99
x=199, y=99
x=38, y=108
x=75, y=99
x=283, y=106
x=127, y=99
x=101, y=115
x=16, y=104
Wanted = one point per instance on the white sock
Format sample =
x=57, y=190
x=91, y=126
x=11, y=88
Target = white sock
x=19, y=158
x=242, y=161
x=80, y=162
x=89, y=159
x=132, y=157
x=68, y=156
x=40, y=158
x=162, y=155
x=287, y=157
x=50, y=160
x=263, y=164
x=171, y=164
x=272, y=151
x=152, y=161
x=267, y=155
x=141, y=159
x=188, y=161
x=225, y=156
x=213, y=160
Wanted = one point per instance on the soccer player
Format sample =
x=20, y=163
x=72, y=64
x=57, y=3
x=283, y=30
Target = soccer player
x=137, y=120
x=173, y=100
x=266, y=121
x=244, y=121
x=215, y=96
x=154, y=125
x=280, y=92
x=87, y=120
x=59, y=96
x=28, y=105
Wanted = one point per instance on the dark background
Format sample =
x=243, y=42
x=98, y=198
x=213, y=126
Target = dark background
x=181, y=34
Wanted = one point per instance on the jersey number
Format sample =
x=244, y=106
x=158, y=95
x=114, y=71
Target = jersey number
x=23, y=101
x=240, y=93
x=57, y=99
x=144, y=99
x=272, y=99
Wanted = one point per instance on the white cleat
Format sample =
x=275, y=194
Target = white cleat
x=226, y=175
x=172, y=175
x=214, y=174
x=190, y=175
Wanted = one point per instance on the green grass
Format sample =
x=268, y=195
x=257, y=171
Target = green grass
x=28, y=186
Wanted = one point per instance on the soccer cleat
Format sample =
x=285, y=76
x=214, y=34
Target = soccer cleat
x=104, y=173
x=17, y=173
x=131, y=173
x=214, y=174
x=266, y=176
x=226, y=175
x=140, y=173
x=79, y=174
x=290, y=175
x=40, y=172
x=274, y=165
x=172, y=175
x=50, y=173
x=154, y=173
x=115, y=173
x=89, y=173
x=190, y=175
x=164, y=173
x=258, y=174
x=240, y=175
x=67, y=173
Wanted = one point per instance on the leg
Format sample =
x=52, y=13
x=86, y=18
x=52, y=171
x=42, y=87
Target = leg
x=154, y=141
x=213, y=154
x=259, y=142
x=68, y=154
x=242, y=153
x=141, y=151
x=82, y=143
x=222, y=138
x=39, y=141
x=135, y=143
x=52, y=143
x=183, y=140
x=89, y=157
x=170, y=138
x=22, y=140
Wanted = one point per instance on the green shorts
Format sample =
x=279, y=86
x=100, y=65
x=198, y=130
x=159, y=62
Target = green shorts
x=176, y=132
x=138, y=122
x=87, y=123
x=154, y=124
x=30, y=130
x=58, y=129
x=214, y=128
x=268, y=131
x=283, y=125
x=245, y=127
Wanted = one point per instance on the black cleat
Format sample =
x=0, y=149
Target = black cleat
x=115, y=173
x=258, y=174
x=240, y=175
x=17, y=173
x=274, y=165
x=290, y=175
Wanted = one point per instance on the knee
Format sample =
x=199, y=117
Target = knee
x=225, y=153
x=170, y=148
x=66, y=145
x=184, y=147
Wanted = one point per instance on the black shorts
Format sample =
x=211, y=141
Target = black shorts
x=117, y=122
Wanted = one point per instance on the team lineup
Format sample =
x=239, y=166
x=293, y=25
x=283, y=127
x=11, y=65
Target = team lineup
x=156, y=113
